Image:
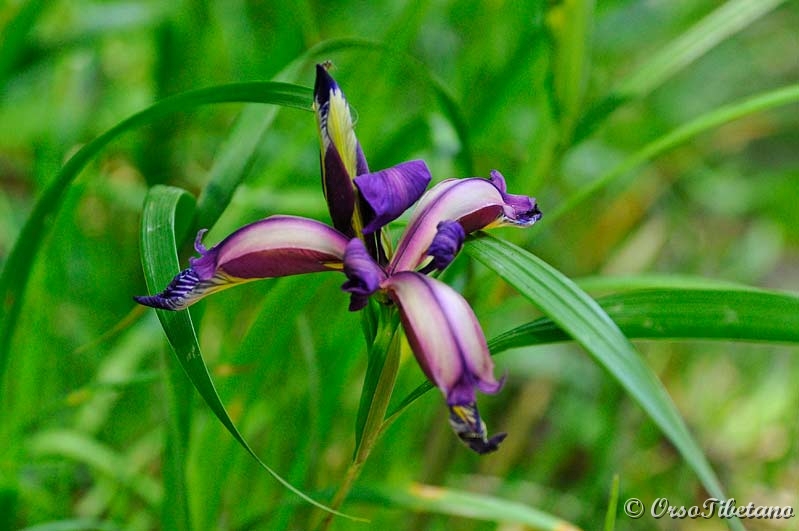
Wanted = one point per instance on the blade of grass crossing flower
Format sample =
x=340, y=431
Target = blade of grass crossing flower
x=164, y=223
x=440, y=500
x=622, y=172
x=18, y=266
x=689, y=311
x=702, y=37
x=582, y=318
x=160, y=262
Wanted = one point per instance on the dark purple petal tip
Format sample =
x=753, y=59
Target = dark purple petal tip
x=469, y=427
x=176, y=296
x=324, y=83
x=446, y=244
x=523, y=209
x=392, y=191
x=363, y=273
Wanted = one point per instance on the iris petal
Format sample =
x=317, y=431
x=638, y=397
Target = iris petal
x=392, y=191
x=469, y=427
x=342, y=157
x=363, y=274
x=476, y=203
x=447, y=243
x=444, y=335
x=521, y=209
x=273, y=247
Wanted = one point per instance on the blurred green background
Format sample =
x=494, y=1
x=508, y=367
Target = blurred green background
x=555, y=94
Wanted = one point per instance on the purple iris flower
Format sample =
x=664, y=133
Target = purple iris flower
x=440, y=326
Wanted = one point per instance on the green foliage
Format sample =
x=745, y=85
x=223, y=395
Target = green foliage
x=659, y=139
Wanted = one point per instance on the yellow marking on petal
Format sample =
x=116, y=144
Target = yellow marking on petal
x=464, y=413
x=339, y=127
x=336, y=266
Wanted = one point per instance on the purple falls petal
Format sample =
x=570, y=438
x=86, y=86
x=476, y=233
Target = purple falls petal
x=469, y=427
x=444, y=335
x=273, y=247
x=520, y=209
x=476, y=203
x=363, y=274
x=446, y=245
x=391, y=192
x=342, y=157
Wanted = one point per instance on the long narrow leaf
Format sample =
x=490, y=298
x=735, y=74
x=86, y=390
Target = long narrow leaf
x=440, y=500
x=733, y=315
x=706, y=122
x=721, y=23
x=582, y=318
x=160, y=263
x=665, y=307
x=18, y=267
x=695, y=42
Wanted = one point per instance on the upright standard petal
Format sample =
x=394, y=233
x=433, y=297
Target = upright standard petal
x=342, y=158
x=277, y=246
x=390, y=192
x=444, y=335
x=475, y=203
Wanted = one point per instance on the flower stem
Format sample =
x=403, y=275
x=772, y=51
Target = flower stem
x=381, y=374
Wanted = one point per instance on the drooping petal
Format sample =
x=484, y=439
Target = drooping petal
x=469, y=427
x=273, y=247
x=392, y=191
x=519, y=209
x=444, y=335
x=363, y=273
x=447, y=243
x=476, y=203
x=342, y=157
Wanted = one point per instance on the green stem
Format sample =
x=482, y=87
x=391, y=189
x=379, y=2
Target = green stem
x=381, y=374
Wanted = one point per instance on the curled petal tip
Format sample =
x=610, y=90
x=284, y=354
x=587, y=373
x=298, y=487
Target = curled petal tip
x=519, y=210
x=198, y=241
x=447, y=243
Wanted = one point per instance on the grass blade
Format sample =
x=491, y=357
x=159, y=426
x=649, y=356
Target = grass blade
x=20, y=260
x=160, y=228
x=725, y=21
x=584, y=320
x=613, y=505
x=571, y=23
x=702, y=37
x=683, y=133
x=732, y=315
x=440, y=500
